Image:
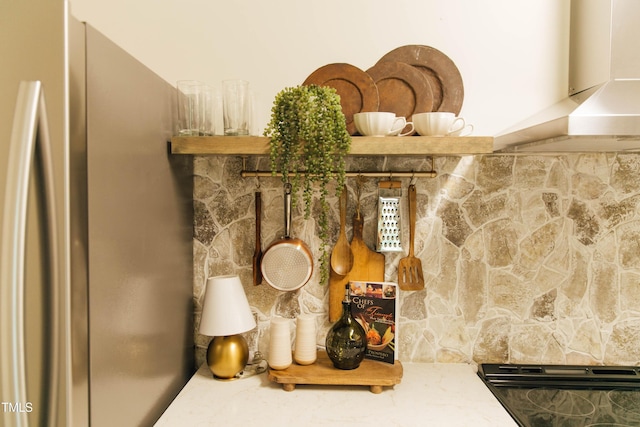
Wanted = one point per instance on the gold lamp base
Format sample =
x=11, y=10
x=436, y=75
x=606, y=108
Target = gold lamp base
x=227, y=356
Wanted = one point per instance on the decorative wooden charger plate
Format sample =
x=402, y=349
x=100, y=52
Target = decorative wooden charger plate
x=402, y=89
x=441, y=72
x=358, y=92
x=370, y=373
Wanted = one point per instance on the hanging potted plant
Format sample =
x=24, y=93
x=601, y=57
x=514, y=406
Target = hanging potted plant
x=309, y=138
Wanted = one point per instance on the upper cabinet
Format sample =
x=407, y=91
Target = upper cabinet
x=360, y=145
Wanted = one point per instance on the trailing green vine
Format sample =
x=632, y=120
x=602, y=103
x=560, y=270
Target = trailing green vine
x=308, y=136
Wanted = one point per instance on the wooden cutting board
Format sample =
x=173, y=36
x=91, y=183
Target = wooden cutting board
x=336, y=294
x=368, y=265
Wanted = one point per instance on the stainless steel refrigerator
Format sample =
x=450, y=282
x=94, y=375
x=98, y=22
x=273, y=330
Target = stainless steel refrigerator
x=101, y=333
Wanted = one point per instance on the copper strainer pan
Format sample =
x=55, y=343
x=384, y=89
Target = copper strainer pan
x=287, y=264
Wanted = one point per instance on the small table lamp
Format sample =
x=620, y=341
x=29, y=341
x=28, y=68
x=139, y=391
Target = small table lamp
x=225, y=315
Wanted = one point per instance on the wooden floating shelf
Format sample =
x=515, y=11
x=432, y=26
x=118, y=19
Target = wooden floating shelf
x=360, y=145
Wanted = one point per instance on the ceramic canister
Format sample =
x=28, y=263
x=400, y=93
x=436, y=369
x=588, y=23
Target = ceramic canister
x=279, y=356
x=305, y=352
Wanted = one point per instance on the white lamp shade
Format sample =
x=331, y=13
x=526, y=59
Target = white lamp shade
x=225, y=309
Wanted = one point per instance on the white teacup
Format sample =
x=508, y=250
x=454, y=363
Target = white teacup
x=440, y=124
x=381, y=124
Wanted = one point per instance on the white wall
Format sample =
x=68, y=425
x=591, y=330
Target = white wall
x=512, y=54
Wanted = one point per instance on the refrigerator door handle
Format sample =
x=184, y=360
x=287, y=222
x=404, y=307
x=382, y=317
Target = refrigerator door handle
x=29, y=131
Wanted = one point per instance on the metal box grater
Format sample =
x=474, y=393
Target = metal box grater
x=389, y=230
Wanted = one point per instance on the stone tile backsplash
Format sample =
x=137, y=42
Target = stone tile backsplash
x=526, y=258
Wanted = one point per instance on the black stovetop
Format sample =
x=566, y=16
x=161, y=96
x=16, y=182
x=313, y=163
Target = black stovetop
x=571, y=396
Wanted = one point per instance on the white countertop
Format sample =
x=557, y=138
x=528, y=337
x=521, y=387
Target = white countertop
x=444, y=394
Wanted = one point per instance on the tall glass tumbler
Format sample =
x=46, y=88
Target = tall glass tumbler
x=210, y=111
x=190, y=107
x=236, y=107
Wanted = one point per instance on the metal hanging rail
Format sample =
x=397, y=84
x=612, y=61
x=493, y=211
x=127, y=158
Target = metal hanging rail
x=368, y=174
x=245, y=173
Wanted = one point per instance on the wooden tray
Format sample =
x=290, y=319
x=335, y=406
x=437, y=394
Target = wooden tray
x=370, y=373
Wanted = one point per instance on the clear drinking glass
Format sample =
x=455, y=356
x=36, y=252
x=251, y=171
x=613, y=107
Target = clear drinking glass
x=210, y=111
x=190, y=104
x=236, y=107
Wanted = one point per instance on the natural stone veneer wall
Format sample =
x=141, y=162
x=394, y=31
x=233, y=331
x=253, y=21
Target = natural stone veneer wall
x=526, y=258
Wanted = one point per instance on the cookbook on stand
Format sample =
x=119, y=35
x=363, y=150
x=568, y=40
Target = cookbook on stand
x=374, y=306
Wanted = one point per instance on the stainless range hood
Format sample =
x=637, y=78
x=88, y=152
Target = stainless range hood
x=602, y=112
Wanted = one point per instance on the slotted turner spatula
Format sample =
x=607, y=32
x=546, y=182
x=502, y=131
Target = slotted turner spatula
x=410, y=277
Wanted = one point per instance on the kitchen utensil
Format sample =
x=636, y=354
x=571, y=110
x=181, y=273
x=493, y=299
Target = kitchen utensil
x=441, y=72
x=287, y=264
x=358, y=92
x=341, y=256
x=368, y=265
x=402, y=89
x=257, y=254
x=389, y=230
x=410, y=276
x=336, y=293
x=337, y=281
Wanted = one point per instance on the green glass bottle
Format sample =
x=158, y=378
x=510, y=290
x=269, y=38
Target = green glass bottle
x=346, y=340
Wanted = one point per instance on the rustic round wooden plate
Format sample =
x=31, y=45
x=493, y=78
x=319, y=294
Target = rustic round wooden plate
x=441, y=72
x=358, y=92
x=402, y=89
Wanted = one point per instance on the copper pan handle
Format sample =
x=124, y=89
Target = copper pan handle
x=287, y=210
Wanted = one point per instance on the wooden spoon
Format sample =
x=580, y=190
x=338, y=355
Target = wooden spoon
x=342, y=255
